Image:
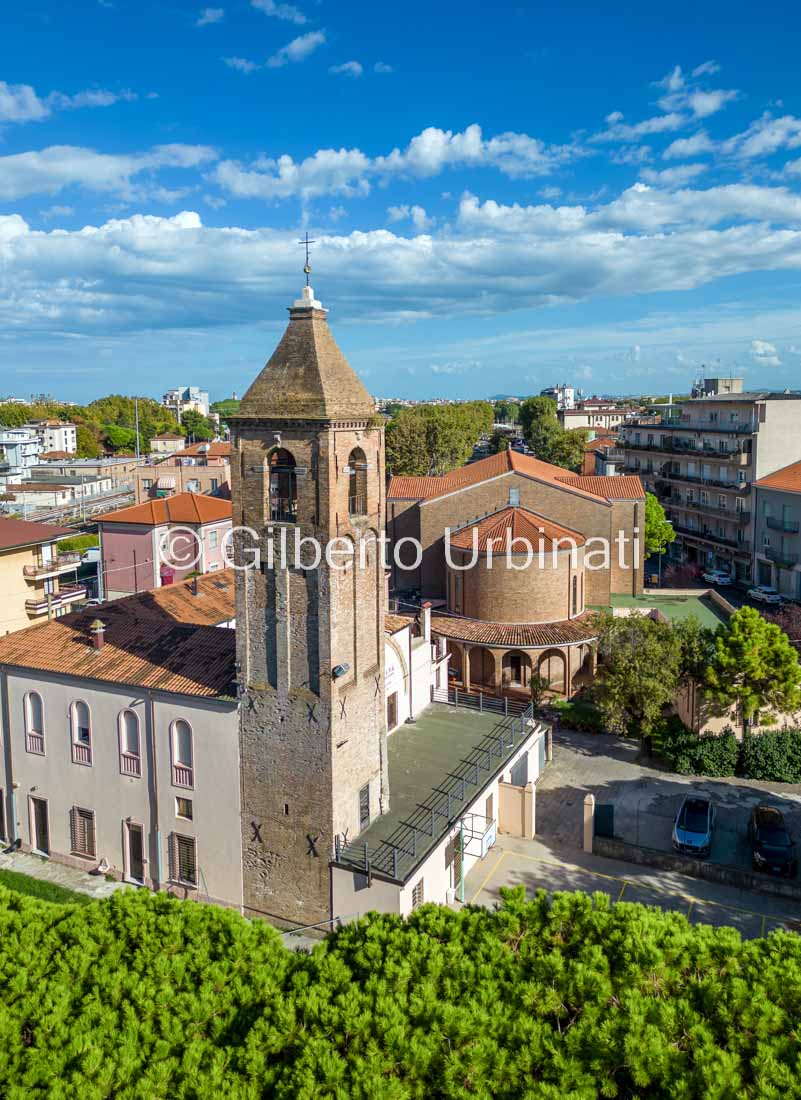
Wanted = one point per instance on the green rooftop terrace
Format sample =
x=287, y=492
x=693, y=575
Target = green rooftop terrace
x=676, y=606
x=448, y=750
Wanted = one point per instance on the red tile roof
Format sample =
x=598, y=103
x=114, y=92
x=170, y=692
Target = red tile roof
x=427, y=488
x=514, y=523
x=180, y=508
x=516, y=635
x=161, y=640
x=625, y=487
x=211, y=450
x=394, y=621
x=787, y=478
x=16, y=533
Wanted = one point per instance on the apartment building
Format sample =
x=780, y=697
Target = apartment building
x=167, y=443
x=200, y=468
x=186, y=398
x=703, y=460
x=593, y=414
x=55, y=435
x=119, y=469
x=777, y=523
x=37, y=581
x=19, y=452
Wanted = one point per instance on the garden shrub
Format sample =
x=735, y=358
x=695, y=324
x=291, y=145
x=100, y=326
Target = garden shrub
x=690, y=754
x=774, y=756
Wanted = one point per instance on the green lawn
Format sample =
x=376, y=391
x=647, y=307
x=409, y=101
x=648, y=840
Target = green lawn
x=39, y=888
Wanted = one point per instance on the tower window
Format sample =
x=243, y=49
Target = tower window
x=283, y=487
x=357, y=483
x=364, y=806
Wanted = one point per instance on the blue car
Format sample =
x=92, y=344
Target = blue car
x=693, y=827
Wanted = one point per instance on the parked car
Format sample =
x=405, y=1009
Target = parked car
x=772, y=847
x=765, y=593
x=694, y=825
x=716, y=576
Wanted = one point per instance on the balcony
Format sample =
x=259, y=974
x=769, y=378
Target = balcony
x=82, y=753
x=183, y=776
x=740, y=518
x=131, y=764
x=707, y=425
x=62, y=563
x=67, y=594
x=34, y=742
x=742, y=547
x=788, y=525
x=781, y=557
x=696, y=479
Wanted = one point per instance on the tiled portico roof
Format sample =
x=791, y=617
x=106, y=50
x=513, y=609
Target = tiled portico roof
x=516, y=635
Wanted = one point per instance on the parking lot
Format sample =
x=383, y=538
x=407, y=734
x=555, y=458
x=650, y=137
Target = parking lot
x=513, y=862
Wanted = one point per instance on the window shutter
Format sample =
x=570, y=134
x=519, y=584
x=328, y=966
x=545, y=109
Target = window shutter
x=173, y=857
x=74, y=829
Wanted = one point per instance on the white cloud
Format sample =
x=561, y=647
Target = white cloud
x=708, y=68
x=297, y=50
x=287, y=12
x=673, y=177
x=621, y=131
x=765, y=136
x=350, y=172
x=52, y=169
x=689, y=147
x=20, y=102
x=382, y=67
x=765, y=354
x=241, y=64
x=56, y=212
x=702, y=104
x=209, y=15
x=216, y=202
x=416, y=214
x=347, y=68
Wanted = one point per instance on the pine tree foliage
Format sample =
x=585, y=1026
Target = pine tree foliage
x=146, y=996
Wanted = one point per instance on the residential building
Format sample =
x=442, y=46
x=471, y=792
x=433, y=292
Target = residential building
x=563, y=395
x=37, y=581
x=702, y=463
x=119, y=469
x=55, y=435
x=19, y=452
x=186, y=398
x=57, y=493
x=138, y=550
x=594, y=414
x=198, y=468
x=167, y=443
x=504, y=625
x=777, y=522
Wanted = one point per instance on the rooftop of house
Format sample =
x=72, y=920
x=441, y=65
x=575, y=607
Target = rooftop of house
x=209, y=450
x=53, y=456
x=18, y=533
x=168, y=435
x=426, y=760
x=516, y=635
x=514, y=523
x=509, y=461
x=747, y=396
x=165, y=640
x=192, y=508
x=788, y=478
x=676, y=606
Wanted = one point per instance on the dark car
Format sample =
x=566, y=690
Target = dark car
x=772, y=846
x=693, y=827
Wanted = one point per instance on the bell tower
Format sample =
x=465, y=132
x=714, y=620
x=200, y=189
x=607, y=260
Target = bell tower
x=308, y=482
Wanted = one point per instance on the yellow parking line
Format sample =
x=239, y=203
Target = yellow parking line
x=487, y=877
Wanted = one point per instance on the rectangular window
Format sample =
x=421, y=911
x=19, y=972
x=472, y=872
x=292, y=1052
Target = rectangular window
x=418, y=895
x=214, y=540
x=364, y=806
x=215, y=484
x=183, y=859
x=82, y=832
x=183, y=808
x=147, y=483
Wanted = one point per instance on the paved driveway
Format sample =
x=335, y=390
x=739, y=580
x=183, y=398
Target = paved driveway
x=513, y=862
x=646, y=797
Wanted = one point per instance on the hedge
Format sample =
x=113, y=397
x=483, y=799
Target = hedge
x=142, y=995
x=774, y=756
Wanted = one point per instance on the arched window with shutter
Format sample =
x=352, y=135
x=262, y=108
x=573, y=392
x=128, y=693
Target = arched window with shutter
x=283, y=487
x=81, y=733
x=183, y=757
x=34, y=722
x=130, y=750
x=357, y=483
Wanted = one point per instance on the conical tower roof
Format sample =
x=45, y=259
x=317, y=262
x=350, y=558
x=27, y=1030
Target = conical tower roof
x=307, y=376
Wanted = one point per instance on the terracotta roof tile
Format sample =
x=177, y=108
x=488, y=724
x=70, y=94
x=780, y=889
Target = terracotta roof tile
x=427, y=488
x=516, y=635
x=788, y=479
x=19, y=532
x=158, y=640
x=211, y=450
x=180, y=508
x=394, y=622
x=516, y=523
x=624, y=487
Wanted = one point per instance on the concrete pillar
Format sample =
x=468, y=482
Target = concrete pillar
x=567, y=652
x=466, y=667
x=589, y=821
x=529, y=822
x=549, y=744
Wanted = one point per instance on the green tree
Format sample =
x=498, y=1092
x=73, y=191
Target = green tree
x=229, y=406
x=499, y=441
x=406, y=444
x=435, y=438
x=506, y=412
x=86, y=442
x=196, y=426
x=753, y=667
x=547, y=438
x=638, y=672
x=659, y=531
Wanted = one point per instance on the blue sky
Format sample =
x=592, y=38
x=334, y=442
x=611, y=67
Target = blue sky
x=503, y=196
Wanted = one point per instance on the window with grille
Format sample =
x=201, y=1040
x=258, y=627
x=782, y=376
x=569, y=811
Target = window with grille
x=183, y=859
x=82, y=832
x=417, y=895
x=364, y=806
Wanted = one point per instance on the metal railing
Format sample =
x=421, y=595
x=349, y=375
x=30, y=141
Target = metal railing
x=479, y=700
x=65, y=560
x=68, y=593
x=182, y=776
x=34, y=742
x=130, y=764
x=402, y=851
x=780, y=556
x=81, y=753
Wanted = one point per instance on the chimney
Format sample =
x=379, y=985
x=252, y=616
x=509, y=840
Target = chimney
x=98, y=631
x=195, y=589
x=425, y=620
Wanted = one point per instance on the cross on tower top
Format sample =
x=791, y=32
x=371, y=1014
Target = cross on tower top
x=307, y=266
